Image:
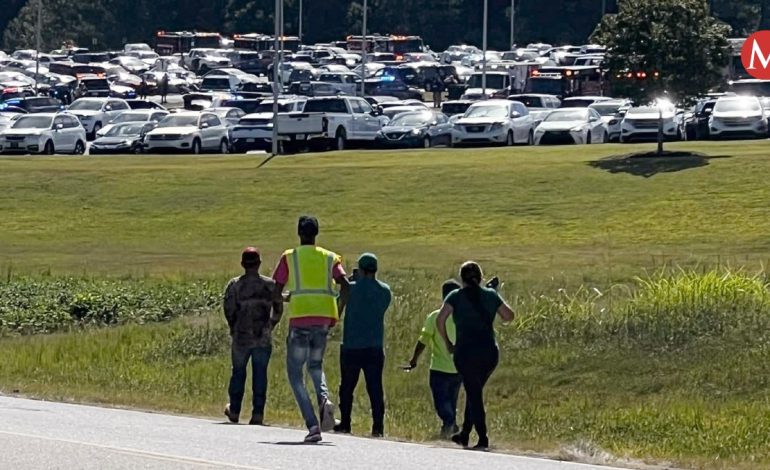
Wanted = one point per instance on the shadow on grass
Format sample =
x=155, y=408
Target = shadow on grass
x=648, y=164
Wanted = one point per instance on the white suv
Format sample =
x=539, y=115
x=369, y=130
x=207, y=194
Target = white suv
x=45, y=133
x=495, y=122
x=738, y=116
x=95, y=113
x=188, y=132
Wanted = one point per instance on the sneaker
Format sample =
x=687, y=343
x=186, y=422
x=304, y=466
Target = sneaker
x=377, y=434
x=461, y=439
x=340, y=429
x=232, y=417
x=327, y=415
x=448, y=431
x=257, y=420
x=314, y=435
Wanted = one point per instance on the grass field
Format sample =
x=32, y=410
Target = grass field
x=599, y=366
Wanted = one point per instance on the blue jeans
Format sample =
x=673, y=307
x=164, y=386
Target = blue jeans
x=307, y=346
x=259, y=359
x=445, y=388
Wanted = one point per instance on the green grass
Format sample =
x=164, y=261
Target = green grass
x=669, y=367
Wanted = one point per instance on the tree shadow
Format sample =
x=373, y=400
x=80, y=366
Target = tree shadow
x=648, y=164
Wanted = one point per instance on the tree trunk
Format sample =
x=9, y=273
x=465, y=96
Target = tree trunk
x=660, y=132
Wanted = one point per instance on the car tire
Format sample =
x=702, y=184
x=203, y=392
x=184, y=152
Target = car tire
x=509, y=140
x=196, y=147
x=531, y=138
x=80, y=148
x=137, y=149
x=679, y=135
x=49, y=149
x=97, y=128
x=588, y=138
x=224, y=147
x=606, y=138
x=426, y=143
x=340, y=140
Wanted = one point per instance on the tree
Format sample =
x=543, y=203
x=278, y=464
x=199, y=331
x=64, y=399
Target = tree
x=674, y=46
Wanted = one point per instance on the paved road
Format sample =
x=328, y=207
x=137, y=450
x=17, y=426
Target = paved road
x=37, y=435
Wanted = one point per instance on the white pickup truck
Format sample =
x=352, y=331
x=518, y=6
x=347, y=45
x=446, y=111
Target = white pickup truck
x=347, y=118
x=295, y=128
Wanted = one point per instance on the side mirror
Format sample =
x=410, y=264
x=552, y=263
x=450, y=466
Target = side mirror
x=515, y=114
x=204, y=125
x=59, y=126
x=108, y=108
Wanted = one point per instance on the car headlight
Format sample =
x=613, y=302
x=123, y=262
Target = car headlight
x=497, y=126
x=416, y=131
x=577, y=129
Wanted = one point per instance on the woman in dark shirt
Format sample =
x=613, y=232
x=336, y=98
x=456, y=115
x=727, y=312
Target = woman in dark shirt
x=473, y=309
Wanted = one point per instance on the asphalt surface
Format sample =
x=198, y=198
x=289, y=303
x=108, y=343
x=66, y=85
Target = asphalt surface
x=46, y=435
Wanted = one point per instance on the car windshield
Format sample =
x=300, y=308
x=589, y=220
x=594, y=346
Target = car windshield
x=491, y=111
x=572, y=115
x=33, y=122
x=179, y=121
x=728, y=106
x=86, y=105
x=125, y=130
x=411, y=119
x=606, y=109
x=130, y=117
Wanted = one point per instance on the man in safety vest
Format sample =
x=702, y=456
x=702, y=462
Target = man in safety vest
x=309, y=273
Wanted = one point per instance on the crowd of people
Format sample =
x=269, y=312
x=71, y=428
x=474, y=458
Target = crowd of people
x=460, y=337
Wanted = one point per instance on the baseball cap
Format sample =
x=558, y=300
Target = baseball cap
x=250, y=256
x=307, y=225
x=368, y=262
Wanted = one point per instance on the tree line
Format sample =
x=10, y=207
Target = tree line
x=110, y=23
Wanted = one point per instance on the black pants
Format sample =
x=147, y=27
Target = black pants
x=352, y=362
x=476, y=366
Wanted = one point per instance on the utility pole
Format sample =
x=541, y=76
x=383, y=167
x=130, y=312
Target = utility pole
x=276, y=73
x=300, y=21
x=484, y=52
x=363, y=53
x=604, y=8
x=38, y=29
x=513, y=20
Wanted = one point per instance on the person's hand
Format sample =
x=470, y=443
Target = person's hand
x=413, y=363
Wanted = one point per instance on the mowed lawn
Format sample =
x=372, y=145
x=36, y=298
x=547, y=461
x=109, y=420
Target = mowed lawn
x=532, y=213
x=567, y=229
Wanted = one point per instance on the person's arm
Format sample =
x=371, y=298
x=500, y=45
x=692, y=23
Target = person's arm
x=275, y=318
x=505, y=311
x=443, y=315
x=418, y=350
x=230, y=305
x=341, y=278
x=281, y=276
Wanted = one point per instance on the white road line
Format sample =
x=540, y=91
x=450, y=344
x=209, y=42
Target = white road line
x=140, y=453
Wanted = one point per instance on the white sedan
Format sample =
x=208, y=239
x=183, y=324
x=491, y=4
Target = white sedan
x=572, y=126
x=188, y=132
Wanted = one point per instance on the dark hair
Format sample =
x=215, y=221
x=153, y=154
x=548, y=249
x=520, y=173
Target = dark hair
x=448, y=287
x=307, y=226
x=471, y=275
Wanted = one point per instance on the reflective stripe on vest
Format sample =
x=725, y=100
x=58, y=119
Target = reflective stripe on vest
x=298, y=290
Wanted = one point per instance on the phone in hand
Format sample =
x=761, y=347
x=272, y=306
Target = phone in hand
x=493, y=283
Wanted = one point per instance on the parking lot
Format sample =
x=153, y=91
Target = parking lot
x=207, y=93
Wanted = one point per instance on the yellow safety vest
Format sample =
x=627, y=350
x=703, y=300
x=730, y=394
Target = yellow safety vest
x=311, y=284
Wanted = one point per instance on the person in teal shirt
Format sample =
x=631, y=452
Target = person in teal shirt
x=362, y=344
x=444, y=380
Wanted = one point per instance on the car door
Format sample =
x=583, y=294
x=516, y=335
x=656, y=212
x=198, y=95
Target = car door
x=371, y=123
x=596, y=125
x=356, y=131
x=62, y=140
x=76, y=129
x=209, y=131
x=522, y=121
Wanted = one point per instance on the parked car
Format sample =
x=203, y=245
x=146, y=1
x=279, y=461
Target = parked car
x=392, y=111
x=539, y=105
x=315, y=89
x=696, y=123
x=572, y=126
x=498, y=85
x=34, y=104
x=641, y=123
x=127, y=137
x=612, y=113
x=94, y=113
x=582, y=101
x=347, y=82
x=456, y=107
x=416, y=129
x=145, y=104
x=141, y=116
x=500, y=122
x=738, y=116
x=45, y=133
x=255, y=131
x=192, y=132
x=92, y=86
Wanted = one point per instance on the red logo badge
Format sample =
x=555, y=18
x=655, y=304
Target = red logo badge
x=755, y=55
